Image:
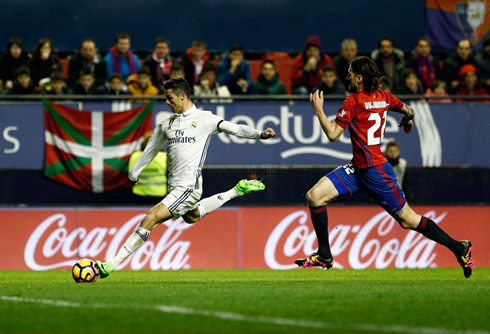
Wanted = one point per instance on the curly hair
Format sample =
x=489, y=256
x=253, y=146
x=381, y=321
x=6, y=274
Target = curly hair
x=370, y=73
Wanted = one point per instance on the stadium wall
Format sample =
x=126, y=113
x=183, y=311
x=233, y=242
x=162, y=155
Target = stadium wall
x=272, y=237
x=274, y=25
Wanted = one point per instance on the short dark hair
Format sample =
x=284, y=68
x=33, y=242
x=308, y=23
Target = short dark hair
x=208, y=67
x=392, y=143
x=366, y=67
x=86, y=72
x=329, y=68
x=438, y=83
x=179, y=85
x=268, y=61
x=420, y=39
x=117, y=76
x=236, y=47
x=161, y=40
x=57, y=75
x=176, y=67
x=408, y=72
x=23, y=70
x=199, y=42
x=15, y=41
x=386, y=38
x=122, y=35
x=144, y=70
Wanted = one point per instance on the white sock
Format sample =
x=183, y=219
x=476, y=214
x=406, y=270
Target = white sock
x=210, y=204
x=134, y=242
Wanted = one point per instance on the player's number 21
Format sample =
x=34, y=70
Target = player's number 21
x=372, y=140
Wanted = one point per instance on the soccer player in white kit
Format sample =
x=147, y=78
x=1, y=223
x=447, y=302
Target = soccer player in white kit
x=188, y=134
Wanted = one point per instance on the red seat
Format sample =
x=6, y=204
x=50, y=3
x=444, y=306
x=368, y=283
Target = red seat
x=64, y=66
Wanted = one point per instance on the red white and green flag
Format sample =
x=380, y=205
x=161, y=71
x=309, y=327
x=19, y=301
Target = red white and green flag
x=90, y=150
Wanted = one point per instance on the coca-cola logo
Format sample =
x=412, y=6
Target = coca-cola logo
x=165, y=253
x=367, y=245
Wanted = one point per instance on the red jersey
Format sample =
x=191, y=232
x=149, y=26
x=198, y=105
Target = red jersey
x=365, y=115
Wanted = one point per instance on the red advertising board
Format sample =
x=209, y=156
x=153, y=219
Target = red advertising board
x=265, y=237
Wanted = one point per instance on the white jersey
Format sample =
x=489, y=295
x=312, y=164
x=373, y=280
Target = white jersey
x=188, y=136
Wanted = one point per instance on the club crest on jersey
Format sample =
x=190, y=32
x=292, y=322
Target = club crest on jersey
x=194, y=124
x=342, y=113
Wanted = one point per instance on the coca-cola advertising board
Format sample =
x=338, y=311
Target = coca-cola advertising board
x=250, y=237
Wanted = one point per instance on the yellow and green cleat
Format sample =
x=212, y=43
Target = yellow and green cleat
x=105, y=268
x=247, y=186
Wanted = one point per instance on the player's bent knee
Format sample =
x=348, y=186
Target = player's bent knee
x=316, y=198
x=190, y=219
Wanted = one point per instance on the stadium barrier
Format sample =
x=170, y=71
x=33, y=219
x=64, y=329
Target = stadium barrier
x=453, y=134
x=266, y=237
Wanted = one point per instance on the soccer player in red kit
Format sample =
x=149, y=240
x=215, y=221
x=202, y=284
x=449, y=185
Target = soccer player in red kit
x=364, y=113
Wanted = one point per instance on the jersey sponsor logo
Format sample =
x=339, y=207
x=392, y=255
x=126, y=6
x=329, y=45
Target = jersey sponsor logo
x=180, y=138
x=375, y=105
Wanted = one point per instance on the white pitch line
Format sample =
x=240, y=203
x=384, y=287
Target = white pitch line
x=230, y=316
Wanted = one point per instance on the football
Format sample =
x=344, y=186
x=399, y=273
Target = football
x=84, y=271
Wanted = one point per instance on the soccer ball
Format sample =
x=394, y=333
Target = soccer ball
x=85, y=271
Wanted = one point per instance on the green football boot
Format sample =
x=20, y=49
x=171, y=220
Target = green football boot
x=105, y=268
x=247, y=186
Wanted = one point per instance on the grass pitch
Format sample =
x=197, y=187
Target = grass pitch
x=428, y=301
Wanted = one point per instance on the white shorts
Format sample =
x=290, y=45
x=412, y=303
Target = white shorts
x=181, y=200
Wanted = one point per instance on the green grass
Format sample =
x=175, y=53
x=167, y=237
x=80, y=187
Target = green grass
x=340, y=301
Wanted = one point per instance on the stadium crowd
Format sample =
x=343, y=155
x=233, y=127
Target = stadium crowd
x=121, y=72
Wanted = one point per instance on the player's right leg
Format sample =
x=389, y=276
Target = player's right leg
x=461, y=249
x=157, y=215
x=339, y=182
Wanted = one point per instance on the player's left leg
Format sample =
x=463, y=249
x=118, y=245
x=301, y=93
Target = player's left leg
x=209, y=204
x=340, y=182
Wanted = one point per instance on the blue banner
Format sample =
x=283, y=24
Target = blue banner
x=455, y=134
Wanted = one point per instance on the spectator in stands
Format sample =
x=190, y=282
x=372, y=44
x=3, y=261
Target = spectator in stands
x=115, y=86
x=268, y=81
x=23, y=84
x=234, y=71
x=470, y=83
x=44, y=62
x=87, y=59
x=454, y=63
x=423, y=63
x=121, y=59
x=343, y=60
x=159, y=62
x=10, y=61
x=438, y=89
x=411, y=85
x=86, y=83
x=483, y=61
x=194, y=60
x=140, y=84
x=390, y=63
x=176, y=71
x=330, y=85
x=208, y=86
x=399, y=165
x=307, y=66
x=57, y=84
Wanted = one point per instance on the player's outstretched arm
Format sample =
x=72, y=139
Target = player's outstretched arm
x=155, y=144
x=245, y=131
x=406, y=121
x=331, y=129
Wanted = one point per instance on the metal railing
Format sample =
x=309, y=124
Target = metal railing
x=133, y=98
